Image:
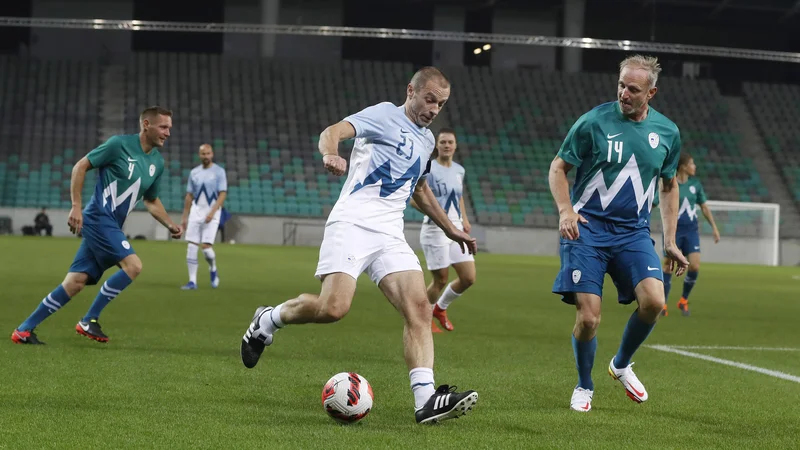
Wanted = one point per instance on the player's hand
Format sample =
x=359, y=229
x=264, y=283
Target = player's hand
x=716, y=236
x=183, y=224
x=467, y=227
x=677, y=263
x=568, y=224
x=75, y=220
x=209, y=218
x=176, y=231
x=463, y=239
x=334, y=164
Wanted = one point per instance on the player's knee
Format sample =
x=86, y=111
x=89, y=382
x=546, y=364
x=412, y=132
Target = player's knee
x=652, y=302
x=467, y=280
x=418, y=311
x=74, y=283
x=588, y=322
x=694, y=267
x=133, y=268
x=206, y=246
x=440, y=278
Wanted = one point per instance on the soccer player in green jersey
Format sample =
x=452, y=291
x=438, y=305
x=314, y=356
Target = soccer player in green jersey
x=620, y=150
x=130, y=169
x=687, y=236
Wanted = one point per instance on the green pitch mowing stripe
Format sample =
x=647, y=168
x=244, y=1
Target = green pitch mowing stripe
x=171, y=376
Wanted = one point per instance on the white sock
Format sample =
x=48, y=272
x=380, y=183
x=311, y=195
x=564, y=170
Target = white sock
x=211, y=257
x=421, y=385
x=272, y=322
x=447, y=297
x=191, y=262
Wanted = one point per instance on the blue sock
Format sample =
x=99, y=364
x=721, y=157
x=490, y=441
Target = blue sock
x=635, y=333
x=667, y=285
x=52, y=303
x=111, y=288
x=584, y=360
x=688, y=283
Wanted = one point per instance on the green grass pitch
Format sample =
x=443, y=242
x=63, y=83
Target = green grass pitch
x=171, y=376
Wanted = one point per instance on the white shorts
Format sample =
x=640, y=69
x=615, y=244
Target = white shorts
x=353, y=250
x=443, y=256
x=200, y=232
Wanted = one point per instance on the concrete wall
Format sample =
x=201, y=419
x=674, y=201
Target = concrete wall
x=501, y=240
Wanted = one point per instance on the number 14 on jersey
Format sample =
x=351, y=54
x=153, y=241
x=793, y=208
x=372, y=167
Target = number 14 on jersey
x=615, y=147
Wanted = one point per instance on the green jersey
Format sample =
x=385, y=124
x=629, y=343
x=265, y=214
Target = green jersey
x=691, y=195
x=618, y=164
x=127, y=174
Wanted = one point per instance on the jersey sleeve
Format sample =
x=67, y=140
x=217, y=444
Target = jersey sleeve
x=190, y=185
x=152, y=192
x=701, y=194
x=578, y=143
x=222, y=181
x=105, y=153
x=369, y=122
x=670, y=166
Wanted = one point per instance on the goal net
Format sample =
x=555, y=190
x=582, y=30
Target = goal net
x=749, y=233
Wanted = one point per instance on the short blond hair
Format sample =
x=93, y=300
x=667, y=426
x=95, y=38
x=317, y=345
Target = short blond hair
x=648, y=63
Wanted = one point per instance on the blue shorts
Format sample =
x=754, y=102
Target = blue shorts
x=583, y=268
x=102, y=248
x=687, y=242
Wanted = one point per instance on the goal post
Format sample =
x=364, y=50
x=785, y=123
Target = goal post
x=750, y=233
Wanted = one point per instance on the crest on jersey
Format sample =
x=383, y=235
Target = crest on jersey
x=693, y=189
x=576, y=276
x=653, y=139
x=126, y=245
x=152, y=169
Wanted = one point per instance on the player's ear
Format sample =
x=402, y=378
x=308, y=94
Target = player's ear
x=409, y=90
x=652, y=92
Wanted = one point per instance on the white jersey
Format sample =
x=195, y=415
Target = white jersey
x=447, y=184
x=390, y=155
x=205, y=185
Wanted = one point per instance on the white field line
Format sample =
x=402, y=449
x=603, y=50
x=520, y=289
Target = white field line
x=725, y=362
x=724, y=347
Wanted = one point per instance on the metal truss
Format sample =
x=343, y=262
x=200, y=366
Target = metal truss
x=388, y=33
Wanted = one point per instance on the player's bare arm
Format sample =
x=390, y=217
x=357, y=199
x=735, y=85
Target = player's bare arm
x=157, y=210
x=75, y=220
x=464, y=218
x=329, y=146
x=426, y=201
x=710, y=218
x=217, y=205
x=415, y=205
x=187, y=205
x=559, y=187
x=669, y=219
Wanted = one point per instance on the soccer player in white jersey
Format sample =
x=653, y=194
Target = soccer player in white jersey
x=446, y=180
x=364, y=233
x=205, y=194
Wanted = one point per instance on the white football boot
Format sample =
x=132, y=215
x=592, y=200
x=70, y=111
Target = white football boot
x=633, y=387
x=581, y=400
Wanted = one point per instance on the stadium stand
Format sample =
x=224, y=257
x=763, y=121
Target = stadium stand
x=263, y=118
x=775, y=107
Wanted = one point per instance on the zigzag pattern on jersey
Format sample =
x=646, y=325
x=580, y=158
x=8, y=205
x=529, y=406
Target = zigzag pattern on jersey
x=383, y=173
x=130, y=195
x=691, y=212
x=452, y=201
x=210, y=198
x=607, y=195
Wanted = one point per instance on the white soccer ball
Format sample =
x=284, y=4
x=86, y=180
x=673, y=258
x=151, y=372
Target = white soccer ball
x=347, y=397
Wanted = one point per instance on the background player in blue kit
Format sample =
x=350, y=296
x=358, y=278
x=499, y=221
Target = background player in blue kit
x=130, y=169
x=620, y=149
x=687, y=236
